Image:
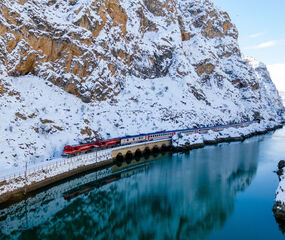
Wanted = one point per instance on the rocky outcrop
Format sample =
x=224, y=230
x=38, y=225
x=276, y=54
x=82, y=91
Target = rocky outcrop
x=282, y=94
x=279, y=206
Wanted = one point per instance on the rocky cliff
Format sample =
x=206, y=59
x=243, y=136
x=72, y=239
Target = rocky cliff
x=75, y=69
x=282, y=94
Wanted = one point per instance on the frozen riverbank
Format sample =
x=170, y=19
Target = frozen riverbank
x=184, y=142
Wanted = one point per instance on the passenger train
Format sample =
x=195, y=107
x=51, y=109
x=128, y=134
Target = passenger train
x=102, y=144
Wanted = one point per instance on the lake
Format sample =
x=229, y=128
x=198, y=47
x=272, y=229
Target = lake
x=225, y=191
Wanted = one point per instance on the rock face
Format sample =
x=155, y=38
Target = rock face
x=279, y=206
x=136, y=65
x=282, y=94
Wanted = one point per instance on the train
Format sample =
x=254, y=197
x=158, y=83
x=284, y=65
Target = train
x=162, y=135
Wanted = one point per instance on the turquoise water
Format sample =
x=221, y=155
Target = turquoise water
x=218, y=192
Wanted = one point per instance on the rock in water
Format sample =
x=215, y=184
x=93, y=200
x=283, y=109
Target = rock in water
x=281, y=164
x=279, y=206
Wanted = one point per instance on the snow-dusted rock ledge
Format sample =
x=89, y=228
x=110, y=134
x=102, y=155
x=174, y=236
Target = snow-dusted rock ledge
x=183, y=142
x=279, y=206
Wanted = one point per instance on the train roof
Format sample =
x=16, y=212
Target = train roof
x=181, y=130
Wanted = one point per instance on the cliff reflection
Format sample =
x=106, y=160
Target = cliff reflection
x=179, y=197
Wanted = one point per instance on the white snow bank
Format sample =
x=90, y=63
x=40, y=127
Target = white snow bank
x=280, y=192
x=40, y=172
x=181, y=139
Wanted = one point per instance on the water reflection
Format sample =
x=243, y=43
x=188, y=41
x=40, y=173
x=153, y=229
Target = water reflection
x=179, y=196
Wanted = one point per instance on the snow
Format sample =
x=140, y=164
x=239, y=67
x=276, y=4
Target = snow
x=182, y=139
x=282, y=94
x=39, y=172
x=280, y=192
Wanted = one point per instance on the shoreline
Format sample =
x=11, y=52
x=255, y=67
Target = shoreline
x=188, y=147
x=10, y=197
x=19, y=194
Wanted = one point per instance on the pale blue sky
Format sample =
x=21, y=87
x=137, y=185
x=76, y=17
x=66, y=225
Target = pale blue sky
x=261, y=27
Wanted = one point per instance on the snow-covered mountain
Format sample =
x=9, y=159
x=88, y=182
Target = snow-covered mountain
x=77, y=69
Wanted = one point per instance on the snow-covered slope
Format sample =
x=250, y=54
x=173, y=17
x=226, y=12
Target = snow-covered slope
x=282, y=94
x=72, y=70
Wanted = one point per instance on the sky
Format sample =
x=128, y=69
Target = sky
x=261, y=27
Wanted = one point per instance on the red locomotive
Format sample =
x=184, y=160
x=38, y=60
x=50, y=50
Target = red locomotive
x=89, y=147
